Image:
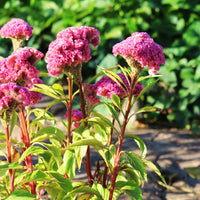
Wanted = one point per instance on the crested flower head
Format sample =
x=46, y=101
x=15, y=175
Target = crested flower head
x=16, y=28
x=76, y=116
x=70, y=49
x=106, y=86
x=11, y=93
x=18, y=68
x=141, y=49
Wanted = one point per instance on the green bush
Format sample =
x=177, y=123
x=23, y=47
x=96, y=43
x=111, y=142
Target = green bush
x=173, y=24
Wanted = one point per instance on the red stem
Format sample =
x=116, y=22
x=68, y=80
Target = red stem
x=116, y=162
x=23, y=124
x=8, y=148
x=69, y=110
x=88, y=159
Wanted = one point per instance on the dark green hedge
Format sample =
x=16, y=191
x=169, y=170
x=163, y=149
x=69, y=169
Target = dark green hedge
x=173, y=24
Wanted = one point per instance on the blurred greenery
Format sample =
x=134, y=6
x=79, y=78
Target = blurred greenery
x=173, y=24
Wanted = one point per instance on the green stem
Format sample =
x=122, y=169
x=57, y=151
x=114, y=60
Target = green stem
x=69, y=110
x=8, y=148
x=106, y=167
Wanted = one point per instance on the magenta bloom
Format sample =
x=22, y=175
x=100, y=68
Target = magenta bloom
x=90, y=92
x=106, y=87
x=76, y=117
x=70, y=48
x=142, y=48
x=18, y=68
x=16, y=28
x=11, y=95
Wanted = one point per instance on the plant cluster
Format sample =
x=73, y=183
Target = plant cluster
x=59, y=154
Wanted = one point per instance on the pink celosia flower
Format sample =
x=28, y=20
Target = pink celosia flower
x=143, y=49
x=16, y=28
x=12, y=94
x=70, y=48
x=18, y=68
x=76, y=116
x=90, y=92
x=106, y=87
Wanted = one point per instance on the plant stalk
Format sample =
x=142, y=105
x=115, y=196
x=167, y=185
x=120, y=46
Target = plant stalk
x=8, y=148
x=117, y=159
x=88, y=159
x=69, y=110
x=106, y=167
x=23, y=124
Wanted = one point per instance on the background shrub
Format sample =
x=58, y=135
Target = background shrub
x=173, y=24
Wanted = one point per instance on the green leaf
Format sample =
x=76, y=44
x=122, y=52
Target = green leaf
x=36, y=175
x=131, y=189
x=64, y=183
x=58, y=88
x=113, y=112
x=137, y=163
x=155, y=169
x=11, y=166
x=86, y=190
x=53, y=130
x=54, y=189
x=140, y=144
x=69, y=164
x=13, y=121
x=31, y=150
x=116, y=101
x=102, y=120
x=104, y=192
x=147, y=109
x=21, y=195
x=47, y=90
x=54, y=151
x=146, y=88
x=91, y=142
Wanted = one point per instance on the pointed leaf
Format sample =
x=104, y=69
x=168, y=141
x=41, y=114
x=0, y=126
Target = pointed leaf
x=147, y=88
x=47, y=90
x=140, y=144
x=21, y=195
x=155, y=169
x=116, y=101
x=113, y=112
x=147, y=109
x=31, y=150
x=86, y=190
x=137, y=163
x=131, y=189
x=91, y=142
x=11, y=166
x=13, y=121
x=64, y=183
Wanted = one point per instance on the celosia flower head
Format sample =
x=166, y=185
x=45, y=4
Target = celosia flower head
x=16, y=28
x=76, y=116
x=106, y=87
x=18, y=68
x=70, y=48
x=11, y=95
x=90, y=93
x=141, y=48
